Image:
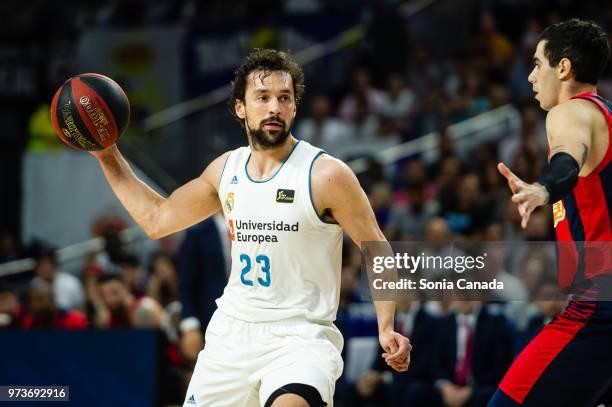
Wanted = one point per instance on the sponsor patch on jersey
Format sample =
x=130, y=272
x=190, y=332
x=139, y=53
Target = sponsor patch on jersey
x=234, y=180
x=231, y=230
x=191, y=400
x=285, y=195
x=558, y=212
x=229, y=202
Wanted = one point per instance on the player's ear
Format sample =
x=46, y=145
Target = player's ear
x=564, y=68
x=239, y=107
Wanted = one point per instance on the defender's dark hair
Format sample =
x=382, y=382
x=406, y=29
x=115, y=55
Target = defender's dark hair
x=267, y=61
x=583, y=42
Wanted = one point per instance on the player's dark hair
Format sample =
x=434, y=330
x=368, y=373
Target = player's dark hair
x=267, y=61
x=583, y=42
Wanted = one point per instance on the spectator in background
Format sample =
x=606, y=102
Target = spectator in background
x=170, y=245
x=10, y=310
x=321, y=128
x=408, y=220
x=437, y=235
x=534, y=268
x=108, y=225
x=363, y=93
x=364, y=123
x=381, y=198
x=67, y=289
x=43, y=312
x=372, y=174
x=540, y=226
x=498, y=48
x=415, y=388
x=349, y=283
x=9, y=249
x=498, y=95
x=423, y=73
x=132, y=274
x=379, y=386
x=149, y=314
x=496, y=191
x=532, y=136
x=397, y=102
x=203, y=268
x=468, y=215
x=386, y=134
x=447, y=182
x=520, y=89
x=473, y=93
x=414, y=172
x=550, y=301
x=117, y=305
x=465, y=374
x=163, y=282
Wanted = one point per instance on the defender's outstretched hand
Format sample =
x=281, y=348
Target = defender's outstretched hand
x=526, y=196
x=397, y=350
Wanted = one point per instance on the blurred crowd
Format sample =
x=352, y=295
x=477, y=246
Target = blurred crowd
x=173, y=288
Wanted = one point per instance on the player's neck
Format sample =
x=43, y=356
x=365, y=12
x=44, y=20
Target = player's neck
x=265, y=162
x=576, y=88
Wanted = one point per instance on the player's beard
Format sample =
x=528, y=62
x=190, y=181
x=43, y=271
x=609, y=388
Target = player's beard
x=262, y=139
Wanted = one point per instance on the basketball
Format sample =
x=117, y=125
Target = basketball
x=90, y=112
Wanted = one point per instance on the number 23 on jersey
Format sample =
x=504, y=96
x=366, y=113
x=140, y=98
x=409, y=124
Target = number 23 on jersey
x=263, y=262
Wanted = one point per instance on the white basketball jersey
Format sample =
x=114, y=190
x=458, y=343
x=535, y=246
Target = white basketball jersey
x=285, y=260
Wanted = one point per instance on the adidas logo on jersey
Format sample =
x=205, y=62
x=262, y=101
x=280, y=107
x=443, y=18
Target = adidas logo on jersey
x=191, y=399
x=234, y=180
x=285, y=195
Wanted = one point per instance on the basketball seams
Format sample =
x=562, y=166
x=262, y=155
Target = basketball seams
x=79, y=89
x=112, y=100
x=64, y=110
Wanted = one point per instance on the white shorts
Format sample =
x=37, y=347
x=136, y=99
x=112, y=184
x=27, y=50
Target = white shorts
x=243, y=363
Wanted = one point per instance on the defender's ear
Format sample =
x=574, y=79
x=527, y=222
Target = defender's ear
x=564, y=69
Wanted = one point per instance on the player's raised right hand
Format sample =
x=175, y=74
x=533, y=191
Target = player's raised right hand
x=526, y=196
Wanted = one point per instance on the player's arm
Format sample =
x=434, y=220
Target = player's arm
x=569, y=129
x=159, y=216
x=337, y=193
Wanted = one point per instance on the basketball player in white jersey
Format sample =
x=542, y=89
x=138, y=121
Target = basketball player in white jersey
x=272, y=341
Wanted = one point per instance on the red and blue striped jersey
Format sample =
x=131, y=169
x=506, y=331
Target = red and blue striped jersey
x=583, y=219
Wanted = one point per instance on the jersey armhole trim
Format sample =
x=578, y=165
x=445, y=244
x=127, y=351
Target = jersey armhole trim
x=223, y=170
x=321, y=152
x=598, y=101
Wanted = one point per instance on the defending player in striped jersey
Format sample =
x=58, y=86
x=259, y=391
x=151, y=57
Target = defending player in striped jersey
x=568, y=362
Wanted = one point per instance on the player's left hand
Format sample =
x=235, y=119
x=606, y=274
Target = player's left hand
x=526, y=196
x=397, y=350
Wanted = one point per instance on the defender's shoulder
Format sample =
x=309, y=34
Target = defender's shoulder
x=572, y=112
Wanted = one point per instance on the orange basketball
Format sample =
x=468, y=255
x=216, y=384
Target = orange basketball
x=90, y=112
